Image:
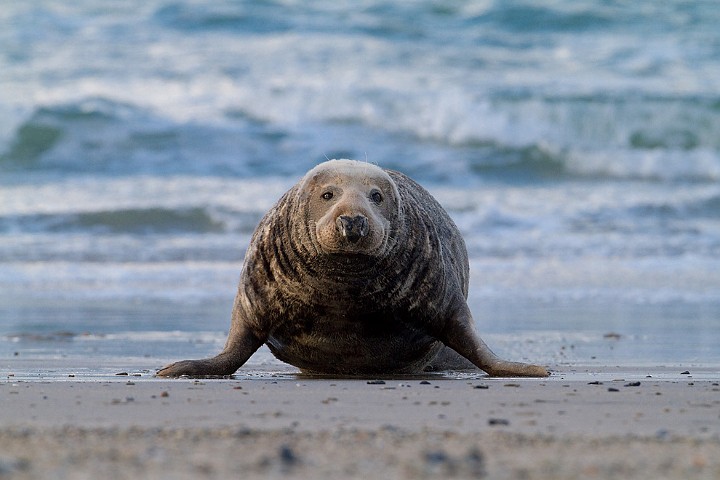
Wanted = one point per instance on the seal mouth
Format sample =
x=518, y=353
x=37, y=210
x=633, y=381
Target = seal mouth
x=352, y=228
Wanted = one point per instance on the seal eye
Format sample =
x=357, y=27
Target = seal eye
x=327, y=196
x=376, y=197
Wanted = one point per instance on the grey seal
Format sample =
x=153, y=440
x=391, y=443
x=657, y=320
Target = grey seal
x=356, y=270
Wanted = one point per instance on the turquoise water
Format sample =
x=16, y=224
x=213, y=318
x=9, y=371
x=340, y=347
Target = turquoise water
x=575, y=143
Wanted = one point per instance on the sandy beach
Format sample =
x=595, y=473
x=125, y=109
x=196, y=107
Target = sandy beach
x=590, y=423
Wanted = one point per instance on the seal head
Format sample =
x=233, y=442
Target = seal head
x=350, y=208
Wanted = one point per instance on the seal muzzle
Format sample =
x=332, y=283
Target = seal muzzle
x=352, y=228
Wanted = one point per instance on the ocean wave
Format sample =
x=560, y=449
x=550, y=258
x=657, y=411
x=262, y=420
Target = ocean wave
x=594, y=91
x=102, y=137
x=132, y=221
x=238, y=17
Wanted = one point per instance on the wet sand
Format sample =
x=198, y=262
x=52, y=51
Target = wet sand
x=593, y=423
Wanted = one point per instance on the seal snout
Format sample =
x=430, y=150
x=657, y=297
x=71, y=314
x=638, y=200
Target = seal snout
x=352, y=228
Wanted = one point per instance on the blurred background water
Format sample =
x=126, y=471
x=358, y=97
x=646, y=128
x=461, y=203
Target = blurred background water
x=575, y=143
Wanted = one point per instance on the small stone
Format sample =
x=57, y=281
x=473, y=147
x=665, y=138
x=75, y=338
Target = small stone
x=686, y=372
x=10, y=466
x=287, y=456
x=424, y=382
x=165, y=394
x=613, y=389
x=481, y=387
x=125, y=374
x=498, y=421
x=436, y=457
x=376, y=382
x=633, y=384
x=475, y=462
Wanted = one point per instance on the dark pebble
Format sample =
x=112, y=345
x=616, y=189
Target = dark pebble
x=481, y=387
x=475, y=462
x=424, y=382
x=376, y=382
x=595, y=383
x=10, y=466
x=613, y=389
x=436, y=457
x=287, y=456
x=686, y=372
x=122, y=374
x=498, y=421
x=633, y=384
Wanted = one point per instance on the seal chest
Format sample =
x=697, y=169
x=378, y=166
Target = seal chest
x=355, y=270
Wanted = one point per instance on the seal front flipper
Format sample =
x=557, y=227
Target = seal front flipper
x=459, y=334
x=241, y=344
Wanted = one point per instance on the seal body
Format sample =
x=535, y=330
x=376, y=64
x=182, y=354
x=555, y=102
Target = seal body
x=355, y=270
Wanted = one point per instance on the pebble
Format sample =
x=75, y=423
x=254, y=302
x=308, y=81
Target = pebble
x=498, y=421
x=439, y=462
x=288, y=458
x=10, y=466
x=436, y=457
x=376, y=382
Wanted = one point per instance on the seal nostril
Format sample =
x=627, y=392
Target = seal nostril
x=361, y=225
x=344, y=224
x=352, y=228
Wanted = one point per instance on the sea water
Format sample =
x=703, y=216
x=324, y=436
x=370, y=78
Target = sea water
x=576, y=144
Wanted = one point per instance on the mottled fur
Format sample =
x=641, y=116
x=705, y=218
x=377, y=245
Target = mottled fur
x=387, y=301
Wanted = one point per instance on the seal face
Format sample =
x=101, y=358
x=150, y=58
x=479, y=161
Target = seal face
x=351, y=206
x=355, y=270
